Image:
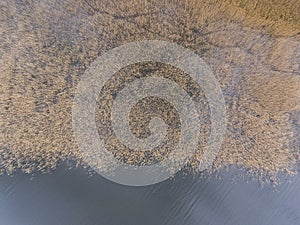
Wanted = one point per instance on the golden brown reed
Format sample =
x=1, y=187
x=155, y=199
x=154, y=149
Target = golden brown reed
x=45, y=47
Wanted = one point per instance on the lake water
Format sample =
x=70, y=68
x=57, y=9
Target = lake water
x=71, y=197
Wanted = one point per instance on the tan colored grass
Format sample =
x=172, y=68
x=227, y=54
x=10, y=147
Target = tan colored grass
x=46, y=47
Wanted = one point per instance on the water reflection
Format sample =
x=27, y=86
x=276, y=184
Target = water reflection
x=71, y=198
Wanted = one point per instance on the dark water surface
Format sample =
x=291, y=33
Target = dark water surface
x=72, y=197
